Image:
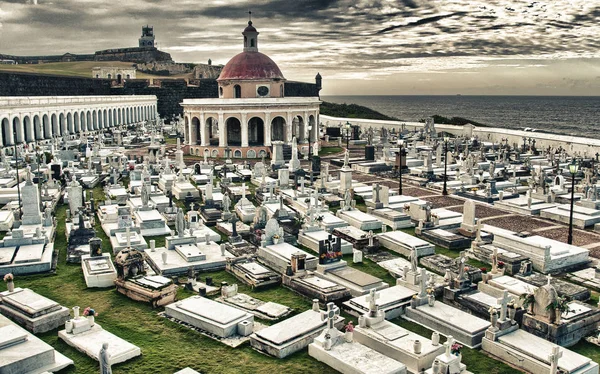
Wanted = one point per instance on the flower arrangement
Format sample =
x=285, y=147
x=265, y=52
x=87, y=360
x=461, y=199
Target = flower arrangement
x=561, y=304
x=331, y=255
x=349, y=327
x=276, y=236
x=500, y=265
x=456, y=348
x=89, y=312
x=9, y=277
x=483, y=270
x=430, y=291
x=528, y=300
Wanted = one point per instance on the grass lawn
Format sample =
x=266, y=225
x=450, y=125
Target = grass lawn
x=326, y=151
x=168, y=347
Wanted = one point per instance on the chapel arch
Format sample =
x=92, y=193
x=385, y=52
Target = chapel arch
x=278, y=132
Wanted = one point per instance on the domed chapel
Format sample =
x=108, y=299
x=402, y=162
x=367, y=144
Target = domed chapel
x=252, y=110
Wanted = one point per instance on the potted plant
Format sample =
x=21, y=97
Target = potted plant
x=90, y=314
x=559, y=306
x=527, y=301
x=10, y=284
x=349, y=332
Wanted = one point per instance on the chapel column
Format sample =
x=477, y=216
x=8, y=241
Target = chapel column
x=289, y=125
x=267, y=132
x=202, y=129
x=244, y=128
x=222, y=129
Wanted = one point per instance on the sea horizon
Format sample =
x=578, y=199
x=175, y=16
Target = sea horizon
x=568, y=115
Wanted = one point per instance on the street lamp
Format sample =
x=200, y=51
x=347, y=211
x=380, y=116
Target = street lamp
x=310, y=152
x=445, y=190
x=348, y=127
x=400, y=150
x=17, y=168
x=573, y=168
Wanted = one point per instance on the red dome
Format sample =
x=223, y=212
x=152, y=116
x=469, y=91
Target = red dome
x=250, y=65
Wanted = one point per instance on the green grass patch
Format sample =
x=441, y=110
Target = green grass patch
x=326, y=151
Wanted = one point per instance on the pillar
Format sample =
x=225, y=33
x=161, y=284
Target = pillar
x=288, y=125
x=244, y=129
x=222, y=128
x=267, y=132
x=203, y=133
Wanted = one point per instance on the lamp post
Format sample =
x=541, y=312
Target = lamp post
x=573, y=168
x=310, y=159
x=348, y=127
x=400, y=150
x=445, y=190
x=17, y=168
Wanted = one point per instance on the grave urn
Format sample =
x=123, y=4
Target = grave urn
x=10, y=286
x=431, y=299
x=75, y=312
x=92, y=320
x=417, y=346
x=69, y=326
x=349, y=336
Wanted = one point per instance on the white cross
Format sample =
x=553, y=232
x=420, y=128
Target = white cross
x=243, y=190
x=128, y=238
x=330, y=315
x=448, y=344
x=302, y=184
x=549, y=277
x=553, y=358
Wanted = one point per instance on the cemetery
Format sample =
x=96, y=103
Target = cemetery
x=336, y=268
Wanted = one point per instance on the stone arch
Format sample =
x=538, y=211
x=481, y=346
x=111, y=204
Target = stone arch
x=195, y=135
x=55, y=129
x=256, y=131
x=237, y=91
x=233, y=131
x=237, y=154
x=47, y=130
x=89, y=122
x=70, y=123
x=262, y=153
x=28, y=129
x=104, y=118
x=76, y=122
x=5, y=134
x=298, y=127
x=95, y=119
x=16, y=128
x=37, y=128
x=82, y=122
x=62, y=124
x=212, y=130
x=251, y=153
x=215, y=153
x=314, y=131
x=278, y=129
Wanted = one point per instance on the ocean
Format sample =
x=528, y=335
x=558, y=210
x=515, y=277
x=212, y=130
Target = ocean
x=569, y=115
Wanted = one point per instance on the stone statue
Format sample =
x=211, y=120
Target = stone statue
x=179, y=223
x=226, y=202
x=492, y=169
x=346, y=159
x=145, y=197
x=104, y=360
x=414, y=260
x=347, y=199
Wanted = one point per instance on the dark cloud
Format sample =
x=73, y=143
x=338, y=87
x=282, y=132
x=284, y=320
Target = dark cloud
x=420, y=22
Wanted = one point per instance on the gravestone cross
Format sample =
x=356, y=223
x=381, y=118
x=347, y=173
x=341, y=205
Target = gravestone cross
x=414, y=260
x=128, y=237
x=330, y=314
x=549, y=277
x=376, y=189
x=553, y=358
x=370, y=238
x=372, y=299
x=495, y=261
x=302, y=181
x=503, y=305
x=461, y=264
x=243, y=191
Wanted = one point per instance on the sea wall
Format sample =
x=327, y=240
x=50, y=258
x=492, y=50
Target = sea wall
x=582, y=145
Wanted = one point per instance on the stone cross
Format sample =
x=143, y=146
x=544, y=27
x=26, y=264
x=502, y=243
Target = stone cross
x=372, y=299
x=414, y=259
x=243, y=191
x=370, y=238
x=549, y=277
x=503, y=305
x=330, y=315
x=271, y=188
x=553, y=358
x=302, y=181
x=192, y=206
x=376, y=189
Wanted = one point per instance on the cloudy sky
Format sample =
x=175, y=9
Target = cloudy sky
x=383, y=47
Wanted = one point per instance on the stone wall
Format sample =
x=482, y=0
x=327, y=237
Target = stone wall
x=138, y=54
x=207, y=71
x=67, y=57
x=301, y=89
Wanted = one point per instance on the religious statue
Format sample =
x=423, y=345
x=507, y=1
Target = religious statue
x=347, y=199
x=414, y=260
x=346, y=159
x=226, y=202
x=179, y=223
x=104, y=360
x=145, y=197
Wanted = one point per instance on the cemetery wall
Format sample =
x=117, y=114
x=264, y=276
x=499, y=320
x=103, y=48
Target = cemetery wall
x=486, y=134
